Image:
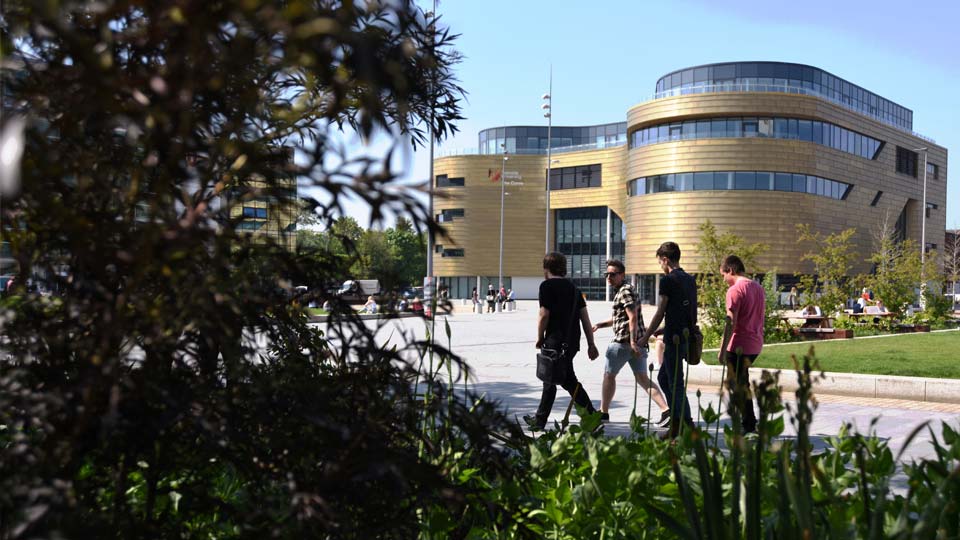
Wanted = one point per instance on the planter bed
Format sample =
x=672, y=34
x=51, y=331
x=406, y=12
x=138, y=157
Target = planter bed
x=911, y=328
x=810, y=334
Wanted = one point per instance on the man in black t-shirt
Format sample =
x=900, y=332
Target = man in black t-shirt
x=562, y=307
x=677, y=307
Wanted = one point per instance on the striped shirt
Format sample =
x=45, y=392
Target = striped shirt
x=624, y=300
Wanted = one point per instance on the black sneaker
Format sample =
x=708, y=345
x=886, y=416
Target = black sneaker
x=604, y=417
x=533, y=423
x=664, y=419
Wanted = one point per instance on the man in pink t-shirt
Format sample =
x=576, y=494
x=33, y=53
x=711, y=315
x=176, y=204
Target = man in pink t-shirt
x=742, y=336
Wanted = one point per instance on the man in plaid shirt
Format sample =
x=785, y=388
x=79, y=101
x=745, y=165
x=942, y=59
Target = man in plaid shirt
x=626, y=322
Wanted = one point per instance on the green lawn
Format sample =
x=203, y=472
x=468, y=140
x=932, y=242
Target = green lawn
x=913, y=355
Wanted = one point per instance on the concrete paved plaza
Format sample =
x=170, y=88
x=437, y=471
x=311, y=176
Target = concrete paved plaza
x=499, y=348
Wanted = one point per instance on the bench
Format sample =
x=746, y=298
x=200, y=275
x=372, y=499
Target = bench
x=808, y=334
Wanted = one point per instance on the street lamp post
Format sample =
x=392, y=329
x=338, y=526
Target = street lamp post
x=923, y=232
x=503, y=180
x=430, y=237
x=548, y=114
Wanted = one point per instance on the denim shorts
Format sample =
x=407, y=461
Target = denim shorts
x=618, y=354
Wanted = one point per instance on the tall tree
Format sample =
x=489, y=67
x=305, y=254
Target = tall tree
x=951, y=261
x=131, y=406
x=409, y=249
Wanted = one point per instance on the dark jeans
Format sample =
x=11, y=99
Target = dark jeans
x=570, y=385
x=739, y=366
x=672, y=383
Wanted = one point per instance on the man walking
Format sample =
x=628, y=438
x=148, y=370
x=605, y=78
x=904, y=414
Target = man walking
x=562, y=307
x=744, y=333
x=626, y=321
x=677, y=307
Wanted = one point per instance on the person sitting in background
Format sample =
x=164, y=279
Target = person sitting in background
x=864, y=299
x=811, y=313
x=370, y=306
x=880, y=309
x=416, y=306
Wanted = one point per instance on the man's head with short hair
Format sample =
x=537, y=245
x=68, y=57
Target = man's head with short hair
x=617, y=264
x=730, y=268
x=733, y=264
x=555, y=263
x=615, y=272
x=668, y=255
x=669, y=250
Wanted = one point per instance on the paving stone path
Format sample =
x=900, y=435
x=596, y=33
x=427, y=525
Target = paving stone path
x=499, y=348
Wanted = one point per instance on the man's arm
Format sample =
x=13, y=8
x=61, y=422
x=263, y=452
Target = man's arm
x=542, y=320
x=656, y=320
x=592, y=351
x=632, y=321
x=603, y=324
x=730, y=322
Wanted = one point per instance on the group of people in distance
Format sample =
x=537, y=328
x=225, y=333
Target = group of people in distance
x=563, y=313
x=494, y=297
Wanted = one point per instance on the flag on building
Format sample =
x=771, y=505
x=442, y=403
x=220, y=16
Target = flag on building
x=494, y=175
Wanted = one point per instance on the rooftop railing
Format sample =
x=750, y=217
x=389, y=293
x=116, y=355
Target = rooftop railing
x=782, y=89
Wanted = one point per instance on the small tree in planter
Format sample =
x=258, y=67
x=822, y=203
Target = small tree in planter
x=832, y=257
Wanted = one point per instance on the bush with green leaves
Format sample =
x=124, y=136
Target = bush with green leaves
x=132, y=403
x=709, y=485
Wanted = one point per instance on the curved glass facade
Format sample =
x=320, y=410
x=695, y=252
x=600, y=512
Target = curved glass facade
x=533, y=139
x=813, y=131
x=780, y=76
x=739, y=180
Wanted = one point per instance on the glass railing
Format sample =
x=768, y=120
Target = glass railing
x=783, y=89
x=443, y=152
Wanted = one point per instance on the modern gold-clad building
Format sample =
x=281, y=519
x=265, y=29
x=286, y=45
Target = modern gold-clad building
x=755, y=147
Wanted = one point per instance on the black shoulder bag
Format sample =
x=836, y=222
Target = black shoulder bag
x=695, y=341
x=551, y=367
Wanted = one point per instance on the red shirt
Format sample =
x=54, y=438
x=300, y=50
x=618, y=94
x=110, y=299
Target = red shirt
x=745, y=298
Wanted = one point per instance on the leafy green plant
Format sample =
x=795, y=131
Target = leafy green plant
x=713, y=247
x=832, y=258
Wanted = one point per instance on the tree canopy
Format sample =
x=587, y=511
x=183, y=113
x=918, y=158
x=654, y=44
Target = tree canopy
x=134, y=403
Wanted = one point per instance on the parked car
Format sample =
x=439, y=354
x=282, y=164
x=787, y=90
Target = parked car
x=412, y=292
x=359, y=289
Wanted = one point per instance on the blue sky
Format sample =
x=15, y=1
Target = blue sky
x=607, y=56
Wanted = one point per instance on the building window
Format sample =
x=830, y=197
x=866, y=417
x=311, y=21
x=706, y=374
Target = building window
x=250, y=225
x=449, y=215
x=741, y=180
x=445, y=181
x=931, y=247
x=906, y=161
x=822, y=133
x=457, y=252
x=931, y=206
x=253, y=212
x=580, y=176
x=581, y=235
x=933, y=171
x=876, y=199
